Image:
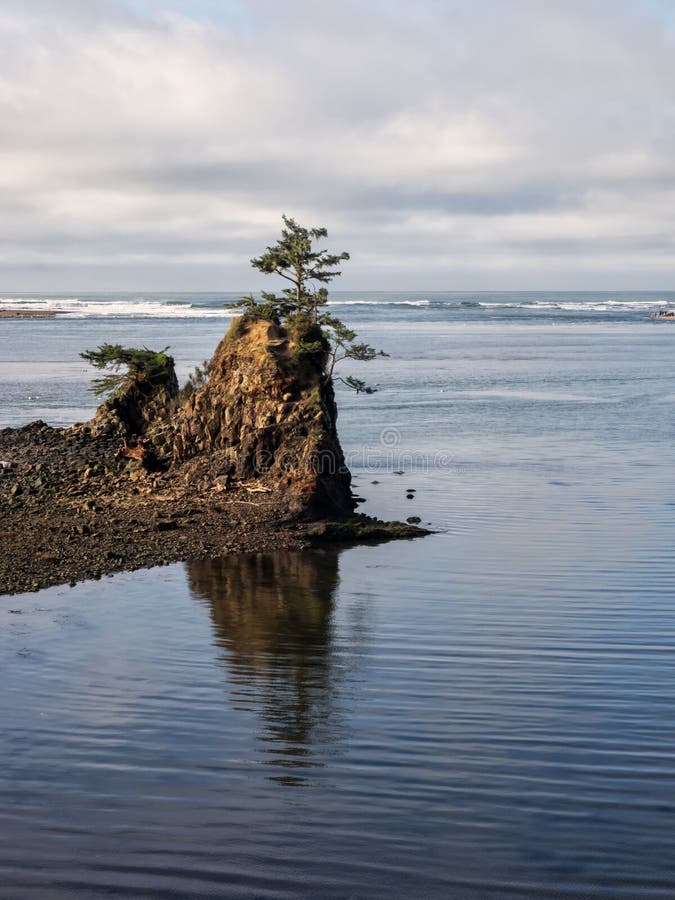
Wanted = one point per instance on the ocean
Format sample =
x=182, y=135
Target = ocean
x=483, y=713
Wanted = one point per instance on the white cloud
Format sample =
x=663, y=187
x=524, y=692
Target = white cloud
x=502, y=143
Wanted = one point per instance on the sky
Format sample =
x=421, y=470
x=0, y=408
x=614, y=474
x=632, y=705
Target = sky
x=446, y=144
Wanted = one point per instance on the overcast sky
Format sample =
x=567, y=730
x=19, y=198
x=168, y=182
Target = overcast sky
x=447, y=144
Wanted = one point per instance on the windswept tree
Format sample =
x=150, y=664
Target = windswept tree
x=299, y=306
x=294, y=258
x=128, y=365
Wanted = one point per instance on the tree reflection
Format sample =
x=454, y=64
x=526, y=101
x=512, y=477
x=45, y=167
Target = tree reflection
x=273, y=616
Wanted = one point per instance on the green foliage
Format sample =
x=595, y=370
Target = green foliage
x=308, y=336
x=267, y=308
x=139, y=365
x=295, y=259
x=344, y=346
x=306, y=269
x=196, y=379
x=356, y=384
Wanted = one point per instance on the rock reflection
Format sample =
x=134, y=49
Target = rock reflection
x=273, y=617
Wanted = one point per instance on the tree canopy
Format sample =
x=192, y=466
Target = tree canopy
x=307, y=270
x=137, y=365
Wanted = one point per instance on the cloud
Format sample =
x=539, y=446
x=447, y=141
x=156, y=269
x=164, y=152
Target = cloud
x=493, y=143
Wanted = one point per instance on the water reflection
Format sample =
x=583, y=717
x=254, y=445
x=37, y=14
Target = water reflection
x=273, y=618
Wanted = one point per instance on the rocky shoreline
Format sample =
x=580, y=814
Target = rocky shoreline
x=250, y=463
x=91, y=514
x=94, y=515
x=28, y=313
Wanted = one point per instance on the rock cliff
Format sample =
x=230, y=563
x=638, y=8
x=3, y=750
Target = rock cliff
x=268, y=414
x=138, y=418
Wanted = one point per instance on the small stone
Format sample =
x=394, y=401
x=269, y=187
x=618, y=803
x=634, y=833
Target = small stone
x=413, y=520
x=169, y=525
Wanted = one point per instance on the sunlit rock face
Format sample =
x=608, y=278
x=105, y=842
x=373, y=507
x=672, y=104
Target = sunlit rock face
x=267, y=413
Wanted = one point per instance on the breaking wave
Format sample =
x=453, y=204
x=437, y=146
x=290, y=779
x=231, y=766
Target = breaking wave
x=214, y=306
x=380, y=303
x=77, y=308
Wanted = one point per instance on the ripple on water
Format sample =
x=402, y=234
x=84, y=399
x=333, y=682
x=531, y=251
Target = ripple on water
x=485, y=713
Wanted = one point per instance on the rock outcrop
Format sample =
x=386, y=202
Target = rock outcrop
x=267, y=413
x=141, y=417
x=250, y=462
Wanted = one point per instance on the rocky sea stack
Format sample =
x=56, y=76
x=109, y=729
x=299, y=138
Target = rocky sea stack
x=250, y=461
x=267, y=414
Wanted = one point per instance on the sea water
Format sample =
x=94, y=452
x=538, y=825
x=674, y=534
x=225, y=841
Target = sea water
x=483, y=713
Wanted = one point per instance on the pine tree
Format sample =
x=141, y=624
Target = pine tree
x=299, y=306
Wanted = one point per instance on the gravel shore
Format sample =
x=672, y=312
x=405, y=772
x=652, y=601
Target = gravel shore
x=70, y=509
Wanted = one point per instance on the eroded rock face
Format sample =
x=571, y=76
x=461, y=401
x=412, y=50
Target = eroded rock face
x=142, y=418
x=268, y=414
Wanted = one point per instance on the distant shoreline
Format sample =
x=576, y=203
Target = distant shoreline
x=28, y=313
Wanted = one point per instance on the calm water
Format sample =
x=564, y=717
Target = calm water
x=488, y=712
